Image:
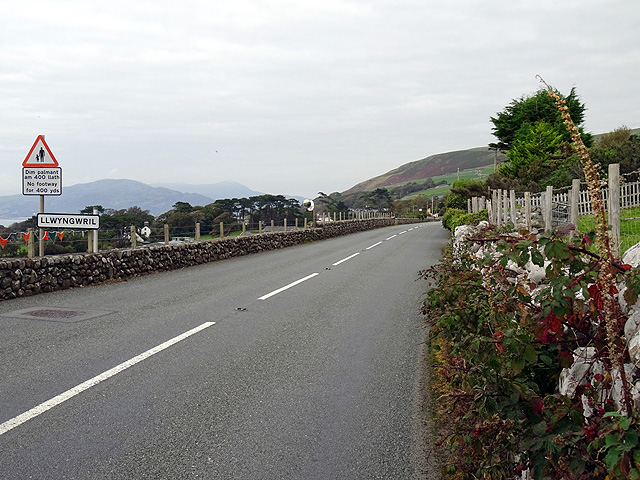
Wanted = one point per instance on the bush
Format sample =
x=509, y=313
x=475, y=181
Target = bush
x=455, y=217
x=498, y=350
x=451, y=216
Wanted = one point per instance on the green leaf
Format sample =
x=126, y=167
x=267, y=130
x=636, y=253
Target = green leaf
x=612, y=458
x=517, y=365
x=537, y=258
x=557, y=249
x=611, y=440
x=530, y=354
x=630, y=440
x=540, y=428
x=546, y=360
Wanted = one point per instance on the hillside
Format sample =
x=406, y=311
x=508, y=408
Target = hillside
x=434, y=165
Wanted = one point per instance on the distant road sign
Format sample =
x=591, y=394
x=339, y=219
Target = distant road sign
x=40, y=155
x=68, y=220
x=42, y=181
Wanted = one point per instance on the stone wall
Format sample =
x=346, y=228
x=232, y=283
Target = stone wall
x=22, y=276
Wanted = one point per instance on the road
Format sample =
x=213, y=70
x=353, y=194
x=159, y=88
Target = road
x=296, y=364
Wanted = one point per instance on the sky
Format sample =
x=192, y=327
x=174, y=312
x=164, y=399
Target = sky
x=293, y=97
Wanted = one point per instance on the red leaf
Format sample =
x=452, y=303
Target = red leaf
x=497, y=337
x=537, y=405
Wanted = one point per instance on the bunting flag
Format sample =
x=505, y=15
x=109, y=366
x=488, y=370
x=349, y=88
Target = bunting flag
x=3, y=242
x=46, y=236
x=60, y=235
x=26, y=236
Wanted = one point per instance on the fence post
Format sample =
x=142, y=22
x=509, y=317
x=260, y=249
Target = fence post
x=221, y=229
x=285, y=224
x=614, y=207
x=575, y=200
x=30, y=245
x=499, y=207
x=166, y=234
x=259, y=226
x=95, y=235
x=296, y=223
x=492, y=211
x=505, y=207
x=90, y=241
x=548, y=208
x=244, y=227
x=512, y=198
x=134, y=241
x=197, y=231
x=527, y=209
x=305, y=222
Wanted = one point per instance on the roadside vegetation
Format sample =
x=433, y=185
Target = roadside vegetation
x=501, y=339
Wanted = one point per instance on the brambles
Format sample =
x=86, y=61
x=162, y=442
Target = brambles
x=524, y=375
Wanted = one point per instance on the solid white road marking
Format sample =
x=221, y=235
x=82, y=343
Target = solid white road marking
x=345, y=259
x=374, y=245
x=286, y=287
x=63, y=397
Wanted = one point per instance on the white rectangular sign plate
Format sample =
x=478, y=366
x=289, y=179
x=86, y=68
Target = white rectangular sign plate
x=42, y=181
x=68, y=220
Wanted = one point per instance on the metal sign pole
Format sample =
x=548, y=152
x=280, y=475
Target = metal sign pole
x=40, y=231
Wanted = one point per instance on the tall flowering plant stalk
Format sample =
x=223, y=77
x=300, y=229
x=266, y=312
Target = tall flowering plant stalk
x=610, y=312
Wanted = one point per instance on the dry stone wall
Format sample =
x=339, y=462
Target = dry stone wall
x=23, y=277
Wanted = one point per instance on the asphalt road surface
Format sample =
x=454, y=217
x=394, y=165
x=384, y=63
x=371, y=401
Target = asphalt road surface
x=296, y=364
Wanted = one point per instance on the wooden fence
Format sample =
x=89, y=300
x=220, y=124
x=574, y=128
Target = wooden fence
x=550, y=209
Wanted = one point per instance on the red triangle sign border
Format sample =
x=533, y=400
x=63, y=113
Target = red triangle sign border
x=26, y=163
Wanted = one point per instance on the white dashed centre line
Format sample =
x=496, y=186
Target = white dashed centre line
x=392, y=236
x=345, y=259
x=63, y=397
x=374, y=245
x=286, y=287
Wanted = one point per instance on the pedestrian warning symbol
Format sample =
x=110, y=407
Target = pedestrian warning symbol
x=40, y=155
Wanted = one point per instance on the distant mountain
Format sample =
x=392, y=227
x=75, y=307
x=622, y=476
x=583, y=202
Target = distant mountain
x=116, y=194
x=121, y=194
x=213, y=190
x=439, y=164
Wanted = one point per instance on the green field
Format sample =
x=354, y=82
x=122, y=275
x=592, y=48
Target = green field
x=469, y=174
x=629, y=227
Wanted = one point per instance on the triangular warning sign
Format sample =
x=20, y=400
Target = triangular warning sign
x=40, y=155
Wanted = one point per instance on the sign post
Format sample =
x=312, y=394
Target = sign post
x=42, y=176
